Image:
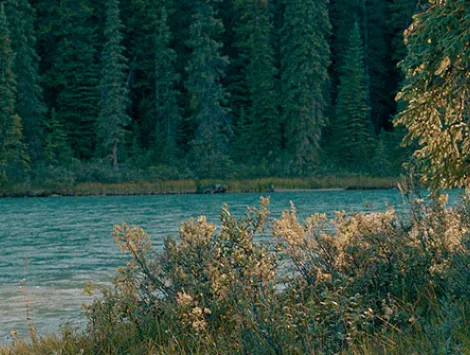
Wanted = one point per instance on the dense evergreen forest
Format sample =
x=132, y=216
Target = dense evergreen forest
x=122, y=90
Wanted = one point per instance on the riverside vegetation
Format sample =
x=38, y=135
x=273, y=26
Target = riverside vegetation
x=361, y=284
x=147, y=187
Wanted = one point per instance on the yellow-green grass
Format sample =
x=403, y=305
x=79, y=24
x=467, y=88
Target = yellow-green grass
x=191, y=186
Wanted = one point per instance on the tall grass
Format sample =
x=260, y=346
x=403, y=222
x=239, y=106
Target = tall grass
x=360, y=284
x=191, y=186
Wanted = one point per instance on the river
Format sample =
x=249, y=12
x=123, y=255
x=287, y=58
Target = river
x=65, y=242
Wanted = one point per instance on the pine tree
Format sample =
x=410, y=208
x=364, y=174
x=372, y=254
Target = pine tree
x=7, y=90
x=237, y=87
x=167, y=111
x=305, y=60
x=255, y=35
x=343, y=15
x=29, y=101
x=205, y=70
x=68, y=36
x=113, y=116
x=378, y=62
x=56, y=146
x=372, y=16
x=15, y=151
x=352, y=131
x=141, y=20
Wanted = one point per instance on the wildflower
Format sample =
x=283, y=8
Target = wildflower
x=197, y=311
x=183, y=298
x=199, y=325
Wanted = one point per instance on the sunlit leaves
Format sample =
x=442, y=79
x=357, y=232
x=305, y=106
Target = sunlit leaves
x=437, y=93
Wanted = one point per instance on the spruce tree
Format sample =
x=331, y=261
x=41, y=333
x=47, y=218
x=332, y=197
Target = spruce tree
x=56, y=146
x=352, y=131
x=236, y=84
x=7, y=90
x=71, y=74
x=141, y=20
x=167, y=111
x=29, y=101
x=372, y=16
x=343, y=15
x=15, y=150
x=305, y=59
x=205, y=70
x=113, y=117
x=255, y=36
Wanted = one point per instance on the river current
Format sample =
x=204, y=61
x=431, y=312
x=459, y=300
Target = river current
x=55, y=245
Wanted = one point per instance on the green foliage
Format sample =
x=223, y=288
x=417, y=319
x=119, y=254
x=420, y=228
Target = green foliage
x=167, y=112
x=236, y=72
x=401, y=17
x=17, y=158
x=113, y=117
x=205, y=70
x=343, y=15
x=142, y=23
x=259, y=123
x=57, y=150
x=29, y=101
x=71, y=73
x=7, y=91
x=436, y=92
x=215, y=85
x=305, y=60
x=381, y=161
x=353, y=129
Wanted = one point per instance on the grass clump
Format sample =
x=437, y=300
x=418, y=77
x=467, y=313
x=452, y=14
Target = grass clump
x=373, y=284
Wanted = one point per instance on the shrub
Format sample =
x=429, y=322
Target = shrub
x=310, y=289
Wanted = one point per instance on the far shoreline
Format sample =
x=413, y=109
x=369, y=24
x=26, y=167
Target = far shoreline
x=186, y=187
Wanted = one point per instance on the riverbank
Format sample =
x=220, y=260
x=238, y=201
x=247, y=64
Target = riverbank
x=192, y=186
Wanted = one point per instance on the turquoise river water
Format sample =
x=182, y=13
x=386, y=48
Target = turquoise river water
x=65, y=242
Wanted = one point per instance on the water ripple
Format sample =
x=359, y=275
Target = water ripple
x=66, y=242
